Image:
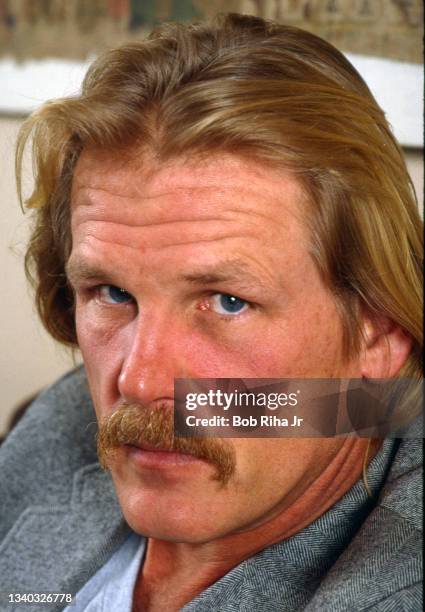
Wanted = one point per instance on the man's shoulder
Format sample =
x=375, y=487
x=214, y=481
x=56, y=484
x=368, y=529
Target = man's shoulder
x=61, y=414
x=403, y=489
x=351, y=558
x=382, y=567
x=60, y=519
x=53, y=440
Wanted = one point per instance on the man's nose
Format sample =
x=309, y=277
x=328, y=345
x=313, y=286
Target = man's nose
x=154, y=356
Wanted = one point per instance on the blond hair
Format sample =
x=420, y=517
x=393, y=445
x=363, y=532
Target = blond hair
x=250, y=87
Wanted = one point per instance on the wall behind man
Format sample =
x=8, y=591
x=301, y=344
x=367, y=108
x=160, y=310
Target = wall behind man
x=29, y=358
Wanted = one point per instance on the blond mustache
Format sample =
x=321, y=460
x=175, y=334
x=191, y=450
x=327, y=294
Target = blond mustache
x=133, y=425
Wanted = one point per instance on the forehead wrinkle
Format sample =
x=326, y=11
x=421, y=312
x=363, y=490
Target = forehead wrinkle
x=153, y=235
x=215, y=190
x=135, y=225
x=218, y=174
x=249, y=201
x=139, y=191
x=89, y=193
x=142, y=248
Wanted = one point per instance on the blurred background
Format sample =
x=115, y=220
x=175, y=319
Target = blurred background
x=45, y=48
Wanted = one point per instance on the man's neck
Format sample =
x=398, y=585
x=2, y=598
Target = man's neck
x=174, y=573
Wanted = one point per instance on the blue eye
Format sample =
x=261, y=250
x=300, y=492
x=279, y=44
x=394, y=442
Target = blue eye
x=114, y=295
x=228, y=304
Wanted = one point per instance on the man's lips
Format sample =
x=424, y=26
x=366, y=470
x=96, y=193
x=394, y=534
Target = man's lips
x=151, y=447
x=146, y=455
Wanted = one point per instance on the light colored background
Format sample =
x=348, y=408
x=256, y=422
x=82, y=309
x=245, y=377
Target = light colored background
x=29, y=359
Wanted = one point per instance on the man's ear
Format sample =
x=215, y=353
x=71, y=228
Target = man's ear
x=386, y=347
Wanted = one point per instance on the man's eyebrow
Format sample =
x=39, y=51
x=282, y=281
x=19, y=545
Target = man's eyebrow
x=79, y=269
x=232, y=271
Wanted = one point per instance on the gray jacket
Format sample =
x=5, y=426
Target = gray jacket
x=60, y=522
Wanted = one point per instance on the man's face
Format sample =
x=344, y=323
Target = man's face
x=157, y=251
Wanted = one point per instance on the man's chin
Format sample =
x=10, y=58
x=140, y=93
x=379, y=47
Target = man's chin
x=167, y=517
x=171, y=507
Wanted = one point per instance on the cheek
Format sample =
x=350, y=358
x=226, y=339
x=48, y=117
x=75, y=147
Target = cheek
x=278, y=471
x=298, y=343
x=91, y=336
x=314, y=342
x=101, y=346
x=102, y=330
x=305, y=342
